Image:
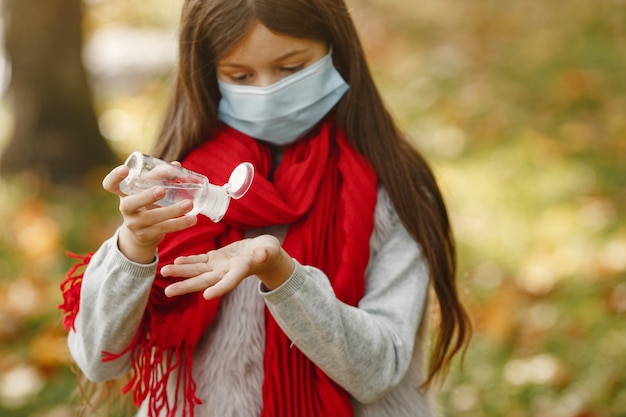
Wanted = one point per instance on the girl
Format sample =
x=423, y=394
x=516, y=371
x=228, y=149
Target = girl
x=309, y=297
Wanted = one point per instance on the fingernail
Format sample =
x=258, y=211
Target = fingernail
x=187, y=205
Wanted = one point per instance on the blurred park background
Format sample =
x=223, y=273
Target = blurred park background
x=520, y=106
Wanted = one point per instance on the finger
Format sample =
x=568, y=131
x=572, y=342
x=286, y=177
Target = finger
x=111, y=182
x=146, y=198
x=133, y=204
x=176, y=224
x=170, y=217
x=260, y=255
x=185, y=270
x=229, y=282
x=266, y=248
x=225, y=285
x=191, y=285
x=191, y=259
x=147, y=231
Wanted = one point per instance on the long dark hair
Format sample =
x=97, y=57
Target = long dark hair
x=210, y=28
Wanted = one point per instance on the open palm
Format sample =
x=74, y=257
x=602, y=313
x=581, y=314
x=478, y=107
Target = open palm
x=220, y=271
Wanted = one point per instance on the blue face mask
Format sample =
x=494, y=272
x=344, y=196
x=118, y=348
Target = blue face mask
x=286, y=110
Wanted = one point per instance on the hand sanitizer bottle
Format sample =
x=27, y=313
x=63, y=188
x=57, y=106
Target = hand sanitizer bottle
x=182, y=184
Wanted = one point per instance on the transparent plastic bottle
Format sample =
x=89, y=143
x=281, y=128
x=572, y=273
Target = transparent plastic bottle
x=182, y=184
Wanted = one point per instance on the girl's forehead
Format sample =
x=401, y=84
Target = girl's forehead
x=261, y=43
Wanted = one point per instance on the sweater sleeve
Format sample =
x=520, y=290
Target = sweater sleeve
x=366, y=349
x=113, y=297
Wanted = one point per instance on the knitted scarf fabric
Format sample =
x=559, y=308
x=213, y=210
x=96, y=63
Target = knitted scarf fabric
x=326, y=192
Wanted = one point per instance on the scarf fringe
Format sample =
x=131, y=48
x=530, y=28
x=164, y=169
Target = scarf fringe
x=70, y=289
x=152, y=366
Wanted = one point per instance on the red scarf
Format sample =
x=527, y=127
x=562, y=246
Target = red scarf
x=326, y=192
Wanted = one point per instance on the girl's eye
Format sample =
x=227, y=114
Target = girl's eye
x=238, y=78
x=292, y=69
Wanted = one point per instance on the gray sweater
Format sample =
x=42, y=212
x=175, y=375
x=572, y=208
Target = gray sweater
x=375, y=350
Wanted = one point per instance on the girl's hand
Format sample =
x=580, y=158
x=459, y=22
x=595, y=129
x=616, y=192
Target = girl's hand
x=145, y=224
x=220, y=271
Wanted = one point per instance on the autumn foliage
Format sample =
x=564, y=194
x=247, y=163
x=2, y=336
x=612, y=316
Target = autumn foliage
x=520, y=105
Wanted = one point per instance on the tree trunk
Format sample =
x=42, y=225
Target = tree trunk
x=56, y=133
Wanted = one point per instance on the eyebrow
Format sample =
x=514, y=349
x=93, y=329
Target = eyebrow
x=280, y=58
x=290, y=54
